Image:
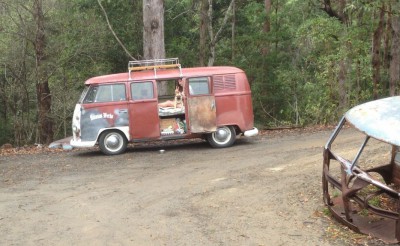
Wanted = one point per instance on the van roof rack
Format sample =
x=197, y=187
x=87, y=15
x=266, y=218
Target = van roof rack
x=141, y=65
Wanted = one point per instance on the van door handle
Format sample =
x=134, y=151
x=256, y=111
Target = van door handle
x=123, y=111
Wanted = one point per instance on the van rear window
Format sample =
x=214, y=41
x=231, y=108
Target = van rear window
x=106, y=93
x=199, y=86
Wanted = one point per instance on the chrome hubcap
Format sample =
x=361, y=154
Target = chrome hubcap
x=221, y=134
x=113, y=142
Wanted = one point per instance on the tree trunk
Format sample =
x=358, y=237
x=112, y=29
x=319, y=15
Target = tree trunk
x=45, y=124
x=376, y=45
x=395, y=59
x=153, y=29
x=211, y=57
x=358, y=80
x=3, y=110
x=233, y=27
x=203, y=32
x=214, y=38
x=342, y=13
x=332, y=13
x=342, y=87
x=267, y=24
x=137, y=19
x=387, y=37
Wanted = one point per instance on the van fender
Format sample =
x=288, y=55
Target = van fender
x=123, y=129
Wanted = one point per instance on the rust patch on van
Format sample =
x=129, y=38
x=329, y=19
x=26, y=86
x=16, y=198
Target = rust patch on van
x=202, y=114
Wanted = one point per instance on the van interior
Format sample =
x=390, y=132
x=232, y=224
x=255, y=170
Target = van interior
x=171, y=108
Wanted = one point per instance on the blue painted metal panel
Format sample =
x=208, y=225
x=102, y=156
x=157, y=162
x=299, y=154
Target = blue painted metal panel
x=378, y=119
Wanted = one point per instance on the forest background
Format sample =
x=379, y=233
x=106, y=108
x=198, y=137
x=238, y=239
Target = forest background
x=307, y=61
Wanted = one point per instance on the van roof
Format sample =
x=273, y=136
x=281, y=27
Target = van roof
x=163, y=74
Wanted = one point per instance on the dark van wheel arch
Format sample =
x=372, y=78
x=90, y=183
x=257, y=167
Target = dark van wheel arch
x=112, y=142
x=225, y=136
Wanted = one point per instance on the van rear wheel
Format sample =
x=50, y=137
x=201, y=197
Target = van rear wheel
x=112, y=143
x=225, y=136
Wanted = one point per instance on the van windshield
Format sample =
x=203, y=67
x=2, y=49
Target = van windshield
x=106, y=93
x=83, y=94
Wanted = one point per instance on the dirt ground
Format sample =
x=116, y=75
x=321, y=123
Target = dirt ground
x=261, y=191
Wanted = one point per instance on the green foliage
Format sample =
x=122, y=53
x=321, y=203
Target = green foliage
x=181, y=32
x=294, y=68
x=376, y=201
x=326, y=211
x=5, y=132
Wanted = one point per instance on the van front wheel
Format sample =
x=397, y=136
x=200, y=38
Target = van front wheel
x=225, y=136
x=112, y=143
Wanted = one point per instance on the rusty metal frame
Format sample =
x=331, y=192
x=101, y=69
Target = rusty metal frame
x=379, y=222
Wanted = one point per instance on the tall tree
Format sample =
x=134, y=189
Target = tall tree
x=203, y=32
x=342, y=66
x=215, y=37
x=376, y=46
x=395, y=56
x=153, y=29
x=267, y=23
x=45, y=126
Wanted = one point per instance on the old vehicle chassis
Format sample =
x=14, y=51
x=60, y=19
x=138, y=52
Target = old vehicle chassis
x=354, y=194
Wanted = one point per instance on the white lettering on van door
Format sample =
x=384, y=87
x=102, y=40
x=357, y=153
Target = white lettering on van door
x=107, y=116
x=101, y=116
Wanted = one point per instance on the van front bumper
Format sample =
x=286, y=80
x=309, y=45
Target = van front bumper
x=84, y=144
x=251, y=133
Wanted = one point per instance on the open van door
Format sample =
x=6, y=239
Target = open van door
x=201, y=105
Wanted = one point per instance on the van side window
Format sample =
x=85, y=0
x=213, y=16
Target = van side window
x=199, y=86
x=106, y=93
x=142, y=90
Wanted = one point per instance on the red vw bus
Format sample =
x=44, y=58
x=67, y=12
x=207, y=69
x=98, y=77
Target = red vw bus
x=159, y=100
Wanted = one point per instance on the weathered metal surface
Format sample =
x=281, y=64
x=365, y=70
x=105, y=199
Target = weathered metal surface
x=379, y=119
x=383, y=228
x=202, y=114
x=349, y=193
x=144, y=119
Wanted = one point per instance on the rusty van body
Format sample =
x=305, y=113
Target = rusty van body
x=115, y=109
x=361, y=184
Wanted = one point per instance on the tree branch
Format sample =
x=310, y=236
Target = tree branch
x=226, y=17
x=112, y=31
x=332, y=13
x=213, y=38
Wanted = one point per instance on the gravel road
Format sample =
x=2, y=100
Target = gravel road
x=261, y=191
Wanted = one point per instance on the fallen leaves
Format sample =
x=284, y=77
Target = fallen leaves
x=26, y=150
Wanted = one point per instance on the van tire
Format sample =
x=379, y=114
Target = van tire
x=225, y=136
x=112, y=142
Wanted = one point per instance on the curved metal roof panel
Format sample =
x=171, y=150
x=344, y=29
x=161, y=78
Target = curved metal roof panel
x=379, y=119
x=163, y=74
